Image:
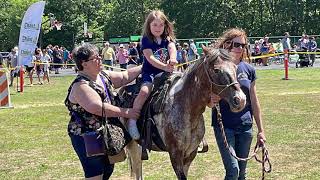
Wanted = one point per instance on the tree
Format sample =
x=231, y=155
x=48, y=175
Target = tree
x=192, y=18
x=11, y=15
x=127, y=17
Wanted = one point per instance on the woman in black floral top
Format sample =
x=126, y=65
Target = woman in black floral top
x=88, y=98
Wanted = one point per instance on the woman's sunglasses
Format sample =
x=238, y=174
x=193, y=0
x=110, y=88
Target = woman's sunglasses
x=238, y=45
x=93, y=58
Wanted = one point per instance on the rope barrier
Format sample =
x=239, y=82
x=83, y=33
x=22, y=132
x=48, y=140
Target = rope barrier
x=278, y=54
x=299, y=52
x=267, y=55
x=4, y=70
x=8, y=69
x=178, y=65
x=189, y=62
x=258, y=57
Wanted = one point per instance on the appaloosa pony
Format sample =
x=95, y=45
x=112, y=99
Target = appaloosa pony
x=181, y=124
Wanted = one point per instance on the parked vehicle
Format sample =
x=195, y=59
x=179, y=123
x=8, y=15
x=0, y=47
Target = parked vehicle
x=199, y=46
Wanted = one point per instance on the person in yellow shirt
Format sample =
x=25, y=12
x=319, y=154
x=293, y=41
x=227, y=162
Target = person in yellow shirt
x=108, y=55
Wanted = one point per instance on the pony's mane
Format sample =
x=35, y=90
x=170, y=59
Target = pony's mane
x=213, y=55
x=193, y=66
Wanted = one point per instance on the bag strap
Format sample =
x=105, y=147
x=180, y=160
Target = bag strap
x=105, y=87
x=107, y=95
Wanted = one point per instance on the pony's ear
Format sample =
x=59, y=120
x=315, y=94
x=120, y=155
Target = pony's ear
x=205, y=49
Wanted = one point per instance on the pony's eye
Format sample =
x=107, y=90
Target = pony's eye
x=216, y=71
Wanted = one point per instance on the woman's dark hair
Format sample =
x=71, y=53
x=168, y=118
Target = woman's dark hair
x=82, y=53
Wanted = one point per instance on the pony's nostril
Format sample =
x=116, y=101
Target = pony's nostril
x=236, y=101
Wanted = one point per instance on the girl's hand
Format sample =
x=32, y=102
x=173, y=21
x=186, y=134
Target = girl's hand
x=169, y=68
x=131, y=113
x=173, y=62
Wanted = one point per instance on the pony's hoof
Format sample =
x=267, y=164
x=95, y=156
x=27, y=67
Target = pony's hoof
x=203, y=146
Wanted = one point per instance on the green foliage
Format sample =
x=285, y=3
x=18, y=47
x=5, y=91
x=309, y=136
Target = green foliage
x=201, y=18
x=11, y=15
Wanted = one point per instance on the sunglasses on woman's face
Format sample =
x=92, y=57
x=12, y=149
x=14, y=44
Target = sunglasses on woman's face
x=94, y=57
x=238, y=45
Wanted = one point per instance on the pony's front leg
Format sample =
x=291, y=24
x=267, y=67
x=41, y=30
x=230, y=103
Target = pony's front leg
x=188, y=160
x=176, y=157
x=134, y=151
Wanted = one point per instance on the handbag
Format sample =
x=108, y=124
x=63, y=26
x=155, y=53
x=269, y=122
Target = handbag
x=93, y=141
x=115, y=135
x=94, y=144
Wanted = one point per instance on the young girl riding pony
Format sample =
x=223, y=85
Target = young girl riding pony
x=157, y=35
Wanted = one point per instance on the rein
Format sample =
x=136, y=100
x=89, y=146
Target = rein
x=219, y=85
x=265, y=161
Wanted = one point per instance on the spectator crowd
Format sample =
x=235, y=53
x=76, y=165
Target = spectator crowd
x=263, y=47
x=53, y=58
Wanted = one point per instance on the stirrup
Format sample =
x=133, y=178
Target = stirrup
x=203, y=146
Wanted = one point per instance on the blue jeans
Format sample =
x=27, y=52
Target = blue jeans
x=92, y=166
x=123, y=66
x=108, y=62
x=239, y=140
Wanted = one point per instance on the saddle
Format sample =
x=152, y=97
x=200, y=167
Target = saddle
x=150, y=137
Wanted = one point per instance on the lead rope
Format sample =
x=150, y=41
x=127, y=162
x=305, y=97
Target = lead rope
x=265, y=161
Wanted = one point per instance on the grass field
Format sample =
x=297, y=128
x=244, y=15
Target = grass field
x=34, y=142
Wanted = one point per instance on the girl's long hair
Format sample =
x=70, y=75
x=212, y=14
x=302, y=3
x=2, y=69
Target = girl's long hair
x=168, y=26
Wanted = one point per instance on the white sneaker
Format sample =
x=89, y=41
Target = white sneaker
x=133, y=130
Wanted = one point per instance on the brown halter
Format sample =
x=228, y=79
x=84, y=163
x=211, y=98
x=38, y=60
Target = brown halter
x=213, y=83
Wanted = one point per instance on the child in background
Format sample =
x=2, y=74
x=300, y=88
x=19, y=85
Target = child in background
x=185, y=55
x=179, y=57
x=37, y=58
x=46, y=59
x=157, y=34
